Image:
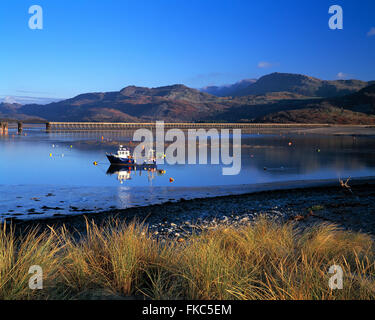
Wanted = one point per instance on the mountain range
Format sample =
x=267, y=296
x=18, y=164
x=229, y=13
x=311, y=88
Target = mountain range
x=287, y=82
x=277, y=97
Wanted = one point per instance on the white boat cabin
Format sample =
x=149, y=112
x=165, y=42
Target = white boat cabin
x=123, y=153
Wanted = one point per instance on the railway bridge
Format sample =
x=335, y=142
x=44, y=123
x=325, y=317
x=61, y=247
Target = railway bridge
x=119, y=126
x=72, y=126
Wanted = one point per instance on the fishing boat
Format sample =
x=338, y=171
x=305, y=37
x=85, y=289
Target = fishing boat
x=122, y=157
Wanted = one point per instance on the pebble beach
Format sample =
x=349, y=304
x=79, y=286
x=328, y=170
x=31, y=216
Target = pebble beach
x=178, y=220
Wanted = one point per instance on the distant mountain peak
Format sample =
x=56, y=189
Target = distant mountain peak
x=175, y=86
x=132, y=90
x=303, y=85
x=229, y=89
x=281, y=75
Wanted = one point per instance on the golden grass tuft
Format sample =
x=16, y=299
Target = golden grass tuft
x=265, y=260
x=113, y=257
x=17, y=255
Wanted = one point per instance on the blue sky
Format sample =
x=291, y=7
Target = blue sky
x=96, y=45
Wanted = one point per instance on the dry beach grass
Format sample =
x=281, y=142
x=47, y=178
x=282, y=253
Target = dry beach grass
x=264, y=260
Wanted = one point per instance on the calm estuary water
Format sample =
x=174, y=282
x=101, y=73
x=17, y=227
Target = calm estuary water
x=45, y=174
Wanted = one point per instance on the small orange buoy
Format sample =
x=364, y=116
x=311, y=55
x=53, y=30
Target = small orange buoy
x=171, y=180
x=95, y=163
x=290, y=144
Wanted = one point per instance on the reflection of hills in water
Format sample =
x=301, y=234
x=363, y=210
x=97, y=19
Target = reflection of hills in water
x=125, y=173
x=309, y=154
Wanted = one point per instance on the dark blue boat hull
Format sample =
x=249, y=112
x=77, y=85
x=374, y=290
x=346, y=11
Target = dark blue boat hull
x=119, y=161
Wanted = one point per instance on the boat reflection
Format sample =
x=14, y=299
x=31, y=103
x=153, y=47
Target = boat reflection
x=125, y=173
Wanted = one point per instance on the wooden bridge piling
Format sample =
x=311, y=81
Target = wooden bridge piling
x=19, y=127
x=4, y=128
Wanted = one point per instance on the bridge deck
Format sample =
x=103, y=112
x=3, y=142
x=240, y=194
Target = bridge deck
x=124, y=125
x=91, y=126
